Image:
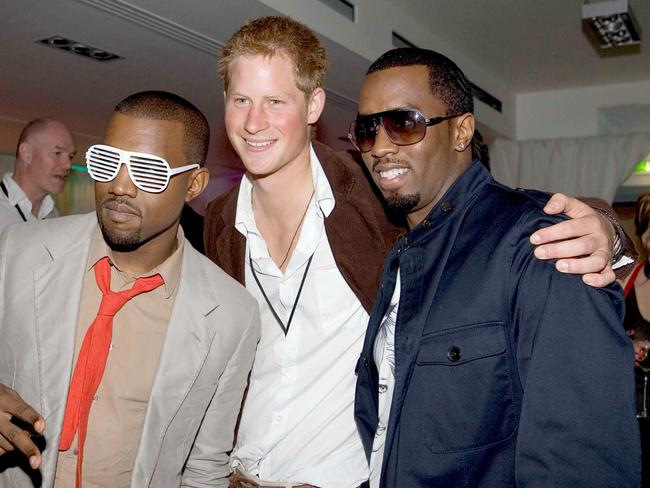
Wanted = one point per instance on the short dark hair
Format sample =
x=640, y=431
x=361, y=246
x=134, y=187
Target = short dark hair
x=161, y=105
x=447, y=81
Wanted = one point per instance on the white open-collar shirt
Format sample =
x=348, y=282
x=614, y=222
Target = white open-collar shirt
x=297, y=423
x=16, y=196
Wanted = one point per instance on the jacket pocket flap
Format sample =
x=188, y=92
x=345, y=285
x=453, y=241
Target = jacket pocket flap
x=463, y=344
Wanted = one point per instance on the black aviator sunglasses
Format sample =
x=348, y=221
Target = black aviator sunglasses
x=403, y=127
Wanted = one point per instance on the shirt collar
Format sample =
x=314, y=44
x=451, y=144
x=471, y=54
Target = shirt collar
x=244, y=217
x=323, y=191
x=17, y=196
x=169, y=269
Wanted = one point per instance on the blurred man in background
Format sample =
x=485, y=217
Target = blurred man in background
x=43, y=161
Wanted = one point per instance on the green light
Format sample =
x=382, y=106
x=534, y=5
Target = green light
x=643, y=167
x=75, y=167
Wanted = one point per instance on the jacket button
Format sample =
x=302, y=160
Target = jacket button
x=426, y=223
x=453, y=354
x=447, y=206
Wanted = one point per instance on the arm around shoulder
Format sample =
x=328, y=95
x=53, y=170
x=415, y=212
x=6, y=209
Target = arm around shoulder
x=577, y=426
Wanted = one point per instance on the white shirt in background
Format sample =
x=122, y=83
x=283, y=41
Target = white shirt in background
x=16, y=196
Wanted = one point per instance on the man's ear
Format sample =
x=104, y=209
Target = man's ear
x=199, y=179
x=464, y=132
x=316, y=105
x=25, y=152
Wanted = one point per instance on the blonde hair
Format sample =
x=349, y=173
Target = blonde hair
x=279, y=35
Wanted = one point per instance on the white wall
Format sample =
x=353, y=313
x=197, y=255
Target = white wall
x=573, y=112
x=371, y=34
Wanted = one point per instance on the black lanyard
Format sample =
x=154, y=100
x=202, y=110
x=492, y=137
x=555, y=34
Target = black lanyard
x=285, y=329
x=4, y=190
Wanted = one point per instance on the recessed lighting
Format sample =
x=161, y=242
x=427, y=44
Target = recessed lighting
x=79, y=48
x=612, y=23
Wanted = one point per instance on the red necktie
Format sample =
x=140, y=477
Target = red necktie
x=91, y=362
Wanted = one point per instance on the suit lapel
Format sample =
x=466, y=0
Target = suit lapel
x=231, y=246
x=225, y=245
x=187, y=342
x=57, y=291
x=359, y=254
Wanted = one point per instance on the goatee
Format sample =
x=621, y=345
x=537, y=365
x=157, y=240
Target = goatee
x=402, y=204
x=120, y=243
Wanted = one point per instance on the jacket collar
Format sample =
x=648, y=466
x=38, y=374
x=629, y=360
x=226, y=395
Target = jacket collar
x=453, y=203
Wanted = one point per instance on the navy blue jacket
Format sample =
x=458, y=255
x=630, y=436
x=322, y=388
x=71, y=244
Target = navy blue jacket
x=508, y=373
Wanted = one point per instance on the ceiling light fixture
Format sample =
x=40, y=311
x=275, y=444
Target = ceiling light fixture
x=612, y=23
x=75, y=47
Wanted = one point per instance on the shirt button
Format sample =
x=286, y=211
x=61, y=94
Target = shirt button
x=453, y=354
x=75, y=451
x=447, y=206
x=277, y=417
x=95, y=398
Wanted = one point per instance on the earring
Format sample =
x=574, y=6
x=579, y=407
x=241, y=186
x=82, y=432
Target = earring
x=461, y=145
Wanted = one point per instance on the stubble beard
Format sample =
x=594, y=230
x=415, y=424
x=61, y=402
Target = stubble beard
x=402, y=204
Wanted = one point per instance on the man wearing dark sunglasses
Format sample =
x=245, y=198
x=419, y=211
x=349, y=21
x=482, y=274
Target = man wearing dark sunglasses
x=306, y=235
x=133, y=347
x=482, y=366
x=402, y=126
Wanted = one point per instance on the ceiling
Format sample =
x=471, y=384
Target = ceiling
x=533, y=45
x=164, y=46
x=169, y=45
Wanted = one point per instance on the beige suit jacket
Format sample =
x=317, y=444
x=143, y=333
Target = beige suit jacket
x=197, y=391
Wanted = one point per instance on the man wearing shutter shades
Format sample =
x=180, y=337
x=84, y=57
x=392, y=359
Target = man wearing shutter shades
x=133, y=347
x=482, y=366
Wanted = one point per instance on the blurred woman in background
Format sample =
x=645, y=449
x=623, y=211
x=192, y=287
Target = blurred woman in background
x=637, y=325
x=637, y=287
